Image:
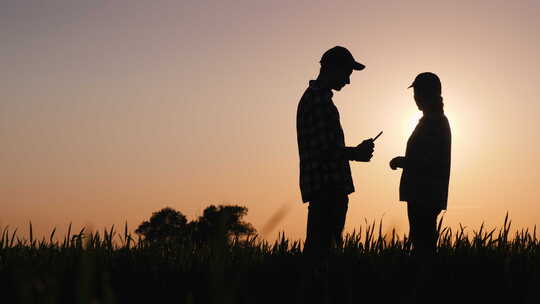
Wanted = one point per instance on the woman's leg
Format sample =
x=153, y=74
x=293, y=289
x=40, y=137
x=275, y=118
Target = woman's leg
x=423, y=234
x=423, y=228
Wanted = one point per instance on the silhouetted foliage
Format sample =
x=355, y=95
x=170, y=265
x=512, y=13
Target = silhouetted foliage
x=223, y=221
x=482, y=266
x=217, y=223
x=165, y=225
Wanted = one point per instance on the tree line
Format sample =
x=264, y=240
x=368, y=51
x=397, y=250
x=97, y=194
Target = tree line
x=217, y=222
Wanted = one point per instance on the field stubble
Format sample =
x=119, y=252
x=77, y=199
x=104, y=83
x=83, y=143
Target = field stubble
x=370, y=266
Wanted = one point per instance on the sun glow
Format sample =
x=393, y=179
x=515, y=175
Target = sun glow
x=411, y=122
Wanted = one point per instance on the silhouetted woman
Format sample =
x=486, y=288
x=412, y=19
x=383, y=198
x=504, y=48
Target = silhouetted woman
x=426, y=165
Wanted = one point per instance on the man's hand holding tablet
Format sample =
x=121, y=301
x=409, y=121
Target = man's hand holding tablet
x=364, y=151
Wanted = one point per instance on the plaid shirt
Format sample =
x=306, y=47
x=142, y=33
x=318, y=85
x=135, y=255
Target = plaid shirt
x=324, y=166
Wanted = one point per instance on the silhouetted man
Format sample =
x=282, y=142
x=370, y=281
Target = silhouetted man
x=325, y=174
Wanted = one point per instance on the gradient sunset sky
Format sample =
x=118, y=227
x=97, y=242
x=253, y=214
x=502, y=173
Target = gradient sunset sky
x=111, y=110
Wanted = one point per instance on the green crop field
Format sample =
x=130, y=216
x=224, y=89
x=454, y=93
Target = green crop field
x=371, y=266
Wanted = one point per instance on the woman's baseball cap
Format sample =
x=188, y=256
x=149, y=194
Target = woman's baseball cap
x=428, y=83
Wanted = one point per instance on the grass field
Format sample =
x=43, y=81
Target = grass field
x=371, y=267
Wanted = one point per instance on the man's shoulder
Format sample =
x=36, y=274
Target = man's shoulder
x=307, y=95
x=314, y=96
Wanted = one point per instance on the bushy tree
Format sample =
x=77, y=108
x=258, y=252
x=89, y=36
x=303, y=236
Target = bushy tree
x=217, y=223
x=223, y=221
x=165, y=225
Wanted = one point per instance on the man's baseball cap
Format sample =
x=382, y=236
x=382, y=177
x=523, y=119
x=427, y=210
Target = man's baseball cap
x=427, y=83
x=340, y=56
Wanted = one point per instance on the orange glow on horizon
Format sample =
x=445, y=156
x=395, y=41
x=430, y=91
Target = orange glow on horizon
x=111, y=112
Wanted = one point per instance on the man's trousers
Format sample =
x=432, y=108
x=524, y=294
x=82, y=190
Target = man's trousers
x=326, y=219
